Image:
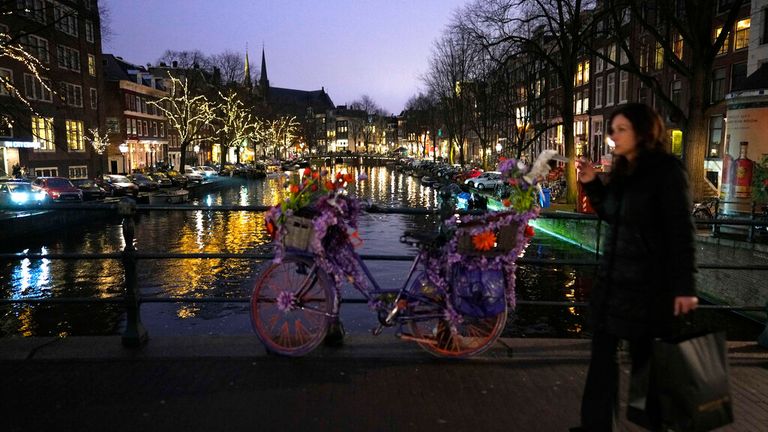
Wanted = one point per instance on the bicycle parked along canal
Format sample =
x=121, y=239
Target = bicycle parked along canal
x=456, y=295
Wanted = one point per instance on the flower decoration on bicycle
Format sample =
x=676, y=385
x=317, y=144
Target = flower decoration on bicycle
x=318, y=217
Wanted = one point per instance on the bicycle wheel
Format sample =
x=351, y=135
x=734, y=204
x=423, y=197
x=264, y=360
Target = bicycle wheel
x=291, y=306
x=434, y=334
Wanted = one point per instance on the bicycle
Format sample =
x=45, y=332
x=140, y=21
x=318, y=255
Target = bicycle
x=294, y=301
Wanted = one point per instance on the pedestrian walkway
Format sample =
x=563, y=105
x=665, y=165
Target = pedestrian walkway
x=228, y=383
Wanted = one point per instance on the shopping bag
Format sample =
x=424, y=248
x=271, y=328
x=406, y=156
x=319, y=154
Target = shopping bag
x=691, y=376
x=685, y=387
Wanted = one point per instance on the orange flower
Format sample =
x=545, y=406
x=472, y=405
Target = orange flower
x=338, y=175
x=307, y=171
x=294, y=188
x=271, y=229
x=506, y=202
x=329, y=185
x=484, y=241
x=349, y=178
x=315, y=175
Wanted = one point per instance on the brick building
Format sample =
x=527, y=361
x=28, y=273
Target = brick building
x=48, y=137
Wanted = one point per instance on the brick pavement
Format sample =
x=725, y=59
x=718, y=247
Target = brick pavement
x=228, y=383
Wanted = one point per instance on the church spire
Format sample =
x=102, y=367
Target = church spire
x=247, y=71
x=263, y=81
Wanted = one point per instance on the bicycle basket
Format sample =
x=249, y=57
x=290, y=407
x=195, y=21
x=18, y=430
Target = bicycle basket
x=298, y=233
x=478, y=293
x=506, y=240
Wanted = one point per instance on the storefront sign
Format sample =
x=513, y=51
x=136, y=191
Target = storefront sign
x=20, y=144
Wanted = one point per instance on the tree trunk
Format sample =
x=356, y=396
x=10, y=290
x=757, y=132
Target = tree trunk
x=695, y=140
x=183, y=157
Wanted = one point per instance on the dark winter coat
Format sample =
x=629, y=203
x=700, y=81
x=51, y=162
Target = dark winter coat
x=648, y=253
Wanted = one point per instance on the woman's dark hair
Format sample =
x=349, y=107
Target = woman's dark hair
x=649, y=130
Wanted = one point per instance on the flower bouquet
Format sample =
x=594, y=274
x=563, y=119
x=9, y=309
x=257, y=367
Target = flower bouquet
x=319, y=217
x=479, y=259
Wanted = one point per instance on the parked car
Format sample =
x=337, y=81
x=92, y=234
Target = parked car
x=177, y=178
x=486, y=180
x=143, y=182
x=14, y=193
x=57, y=189
x=116, y=185
x=208, y=171
x=90, y=188
x=161, y=179
x=193, y=174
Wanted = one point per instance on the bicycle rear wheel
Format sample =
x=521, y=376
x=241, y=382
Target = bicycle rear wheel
x=469, y=337
x=291, y=306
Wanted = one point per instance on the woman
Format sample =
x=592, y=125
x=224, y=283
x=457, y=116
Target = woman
x=646, y=274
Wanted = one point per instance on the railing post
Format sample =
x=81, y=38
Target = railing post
x=762, y=340
x=751, y=232
x=716, y=227
x=135, y=335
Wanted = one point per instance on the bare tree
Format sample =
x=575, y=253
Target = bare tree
x=423, y=119
x=554, y=32
x=373, y=112
x=231, y=66
x=447, y=78
x=186, y=59
x=188, y=113
x=236, y=125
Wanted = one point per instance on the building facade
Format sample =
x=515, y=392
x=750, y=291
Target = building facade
x=45, y=124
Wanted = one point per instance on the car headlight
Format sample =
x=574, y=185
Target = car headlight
x=19, y=197
x=40, y=196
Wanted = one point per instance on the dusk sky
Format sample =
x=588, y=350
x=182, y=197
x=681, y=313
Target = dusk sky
x=350, y=47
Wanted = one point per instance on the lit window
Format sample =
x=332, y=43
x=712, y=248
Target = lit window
x=678, y=46
x=724, y=48
x=42, y=132
x=75, y=135
x=91, y=65
x=659, y=58
x=742, y=34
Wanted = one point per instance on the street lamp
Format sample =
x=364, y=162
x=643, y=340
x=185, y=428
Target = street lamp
x=123, y=150
x=196, y=148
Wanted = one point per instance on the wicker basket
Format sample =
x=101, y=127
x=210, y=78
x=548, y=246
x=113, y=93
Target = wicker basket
x=298, y=233
x=506, y=240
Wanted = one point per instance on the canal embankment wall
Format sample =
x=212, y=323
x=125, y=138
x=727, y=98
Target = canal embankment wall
x=719, y=286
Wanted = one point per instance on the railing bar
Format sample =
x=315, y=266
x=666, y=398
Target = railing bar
x=350, y=300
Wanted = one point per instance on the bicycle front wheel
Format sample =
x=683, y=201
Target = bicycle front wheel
x=291, y=306
x=468, y=337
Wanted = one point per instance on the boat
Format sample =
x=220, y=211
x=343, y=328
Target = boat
x=169, y=197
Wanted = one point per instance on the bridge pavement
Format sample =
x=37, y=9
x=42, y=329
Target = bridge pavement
x=228, y=383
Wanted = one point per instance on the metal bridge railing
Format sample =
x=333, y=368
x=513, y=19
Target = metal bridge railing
x=135, y=335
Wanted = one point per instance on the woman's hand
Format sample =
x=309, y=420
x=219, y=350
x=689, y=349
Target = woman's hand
x=685, y=304
x=584, y=170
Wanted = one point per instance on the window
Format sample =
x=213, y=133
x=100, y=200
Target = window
x=659, y=58
x=741, y=40
x=724, y=48
x=715, y=136
x=47, y=172
x=91, y=65
x=75, y=135
x=94, y=99
x=162, y=130
x=577, y=103
x=611, y=54
x=599, y=61
x=598, y=92
x=89, y=31
x=145, y=127
x=623, y=86
x=78, y=172
x=66, y=19
x=341, y=127
x=35, y=90
x=42, y=132
x=677, y=46
x=586, y=71
x=36, y=46
x=69, y=58
x=623, y=57
x=72, y=94
x=6, y=81
x=610, y=88
x=626, y=16
x=579, y=79
x=154, y=129
x=738, y=75
x=33, y=9
x=718, y=84
x=675, y=92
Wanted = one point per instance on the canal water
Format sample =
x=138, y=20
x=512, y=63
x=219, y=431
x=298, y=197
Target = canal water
x=236, y=232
